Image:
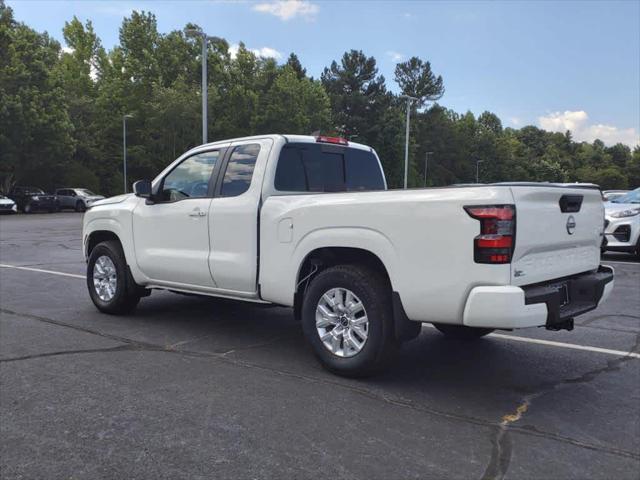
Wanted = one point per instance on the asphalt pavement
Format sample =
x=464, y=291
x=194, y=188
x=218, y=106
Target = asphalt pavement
x=201, y=388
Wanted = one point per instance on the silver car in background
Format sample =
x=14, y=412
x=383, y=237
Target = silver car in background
x=78, y=199
x=609, y=195
x=622, y=223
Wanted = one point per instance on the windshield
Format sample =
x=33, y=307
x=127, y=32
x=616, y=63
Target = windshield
x=84, y=191
x=631, y=197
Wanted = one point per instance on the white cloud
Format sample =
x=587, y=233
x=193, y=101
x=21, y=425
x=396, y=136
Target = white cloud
x=395, y=56
x=267, y=52
x=66, y=49
x=264, y=52
x=563, y=121
x=288, y=9
x=233, y=50
x=515, y=121
x=582, y=130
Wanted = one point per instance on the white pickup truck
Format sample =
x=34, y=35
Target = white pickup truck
x=307, y=222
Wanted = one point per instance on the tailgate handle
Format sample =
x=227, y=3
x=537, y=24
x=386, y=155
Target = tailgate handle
x=570, y=203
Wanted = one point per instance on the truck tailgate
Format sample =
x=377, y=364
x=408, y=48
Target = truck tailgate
x=558, y=232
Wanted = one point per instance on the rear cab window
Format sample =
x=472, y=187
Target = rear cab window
x=239, y=171
x=318, y=167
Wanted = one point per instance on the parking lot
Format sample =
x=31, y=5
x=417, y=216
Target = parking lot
x=192, y=387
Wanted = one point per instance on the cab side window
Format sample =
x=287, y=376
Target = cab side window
x=237, y=177
x=190, y=179
x=309, y=167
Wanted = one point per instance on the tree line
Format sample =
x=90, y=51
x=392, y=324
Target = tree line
x=61, y=112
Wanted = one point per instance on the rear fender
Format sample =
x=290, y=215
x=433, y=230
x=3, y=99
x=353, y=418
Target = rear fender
x=349, y=237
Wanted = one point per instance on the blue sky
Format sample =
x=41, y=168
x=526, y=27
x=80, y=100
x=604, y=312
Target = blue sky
x=558, y=65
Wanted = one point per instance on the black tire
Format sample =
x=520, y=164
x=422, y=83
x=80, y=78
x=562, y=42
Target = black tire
x=80, y=206
x=374, y=292
x=127, y=294
x=462, y=332
x=27, y=208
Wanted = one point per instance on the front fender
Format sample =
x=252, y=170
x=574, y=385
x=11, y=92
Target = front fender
x=117, y=222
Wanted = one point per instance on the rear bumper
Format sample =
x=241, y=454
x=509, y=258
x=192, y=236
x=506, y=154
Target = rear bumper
x=549, y=304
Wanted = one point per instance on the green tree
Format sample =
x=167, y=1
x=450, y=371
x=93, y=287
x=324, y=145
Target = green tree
x=36, y=141
x=61, y=112
x=358, y=94
x=295, y=64
x=293, y=104
x=416, y=79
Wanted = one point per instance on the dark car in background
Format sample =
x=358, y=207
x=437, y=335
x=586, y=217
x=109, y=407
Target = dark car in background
x=31, y=199
x=78, y=199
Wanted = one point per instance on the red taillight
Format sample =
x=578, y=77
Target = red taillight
x=336, y=140
x=497, y=231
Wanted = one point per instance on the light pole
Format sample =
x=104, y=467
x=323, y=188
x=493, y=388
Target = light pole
x=192, y=32
x=124, y=148
x=478, y=162
x=426, y=161
x=406, y=141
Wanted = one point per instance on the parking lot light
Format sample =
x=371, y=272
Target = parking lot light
x=124, y=148
x=192, y=32
x=406, y=140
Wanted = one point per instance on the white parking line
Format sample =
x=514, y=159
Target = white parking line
x=618, y=353
x=549, y=343
x=52, y=272
x=572, y=346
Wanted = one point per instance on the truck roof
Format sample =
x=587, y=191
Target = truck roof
x=287, y=136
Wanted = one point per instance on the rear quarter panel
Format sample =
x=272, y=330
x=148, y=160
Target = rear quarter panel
x=423, y=237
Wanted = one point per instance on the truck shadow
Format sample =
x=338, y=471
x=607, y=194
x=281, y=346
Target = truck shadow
x=620, y=257
x=482, y=374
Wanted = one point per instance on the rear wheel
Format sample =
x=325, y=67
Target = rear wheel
x=347, y=319
x=28, y=208
x=111, y=287
x=462, y=332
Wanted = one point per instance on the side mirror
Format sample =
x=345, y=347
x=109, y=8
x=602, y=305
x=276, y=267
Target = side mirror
x=142, y=188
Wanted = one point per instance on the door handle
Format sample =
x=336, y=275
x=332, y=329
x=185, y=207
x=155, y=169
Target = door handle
x=198, y=213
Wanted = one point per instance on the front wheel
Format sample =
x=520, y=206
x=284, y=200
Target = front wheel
x=347, y=319
x=462, y=332
x=80, y=206
x=111, y=287
x=28, y=208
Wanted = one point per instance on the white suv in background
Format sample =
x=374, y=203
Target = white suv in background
x=622, y=223
x=7, y=205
